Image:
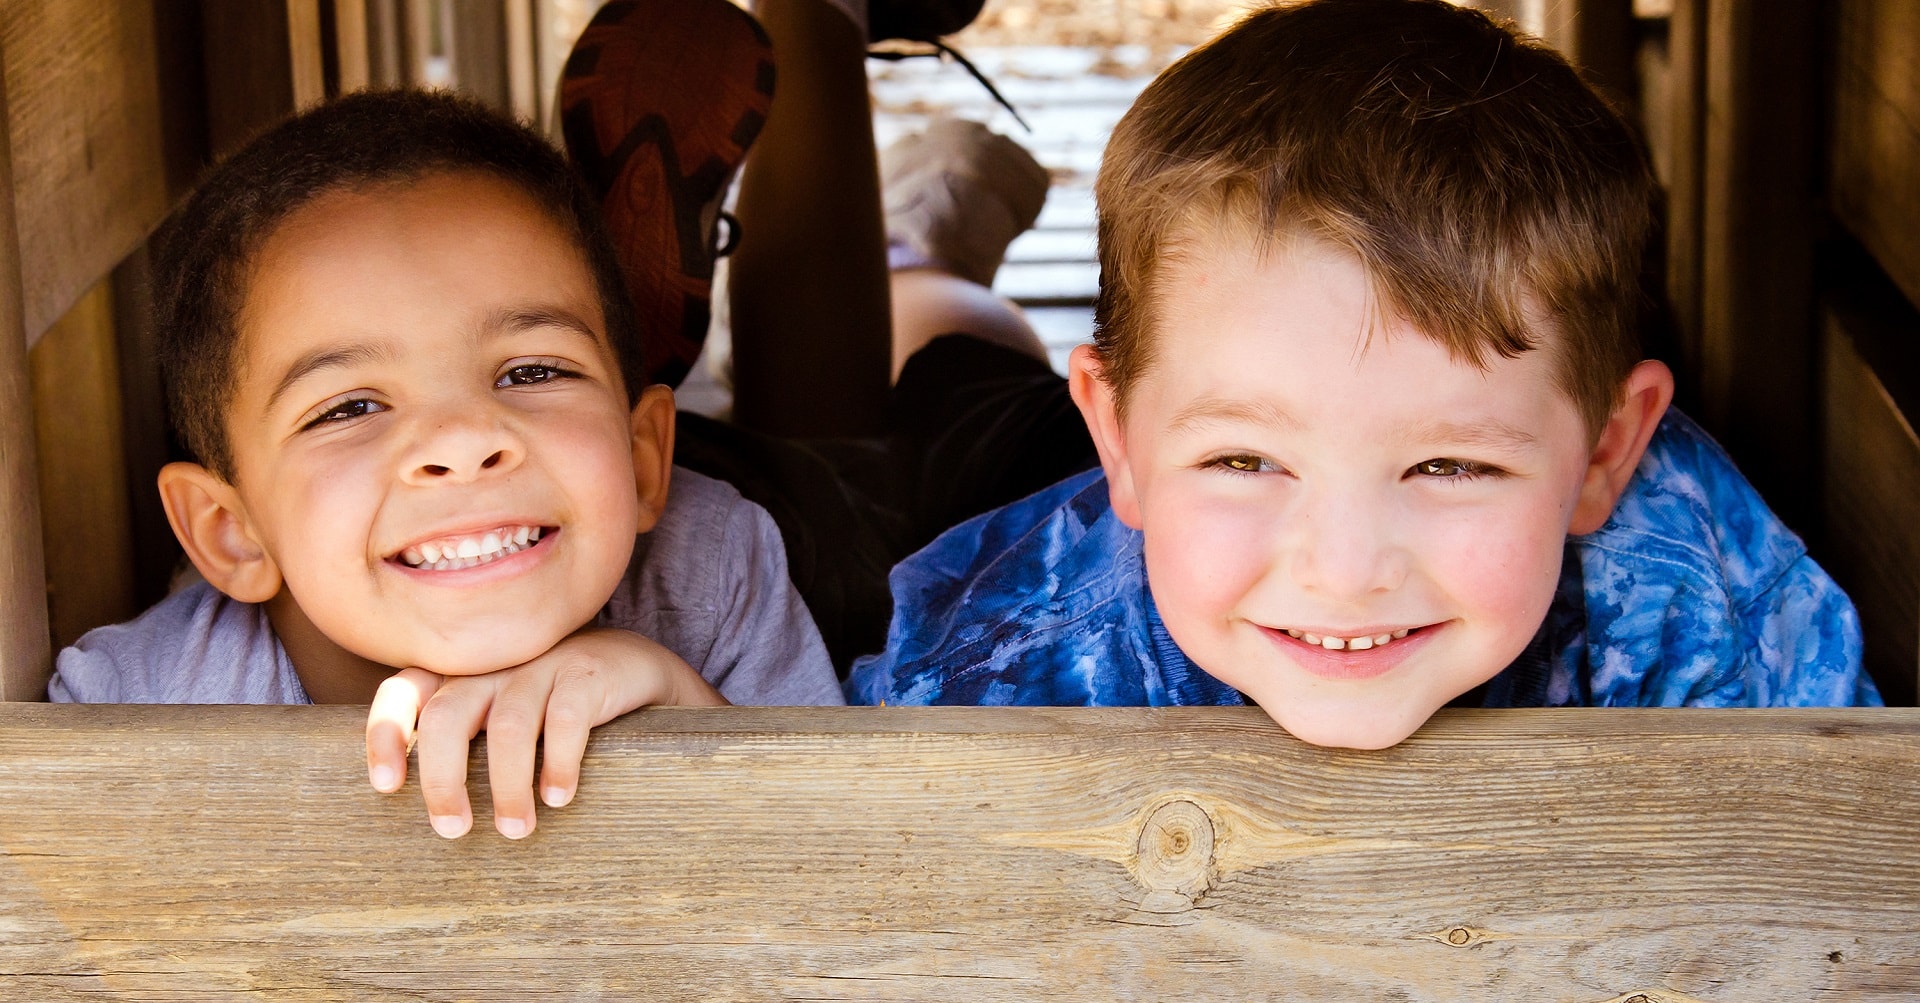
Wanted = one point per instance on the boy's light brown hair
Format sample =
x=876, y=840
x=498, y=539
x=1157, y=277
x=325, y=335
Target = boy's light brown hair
x=1483, y=185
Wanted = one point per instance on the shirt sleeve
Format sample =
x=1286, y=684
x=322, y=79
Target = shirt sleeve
x=195, y=646
x=767, y=649
x=1803, y=646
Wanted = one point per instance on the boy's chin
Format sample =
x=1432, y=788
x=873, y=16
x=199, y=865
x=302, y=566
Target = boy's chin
x=1357, y=728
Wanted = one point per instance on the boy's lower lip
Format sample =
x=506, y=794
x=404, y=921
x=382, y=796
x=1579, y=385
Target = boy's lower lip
x=500, y=567
x=1366, y=664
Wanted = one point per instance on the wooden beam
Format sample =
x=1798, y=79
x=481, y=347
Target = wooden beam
x=25, y=653
x=1876, y=133
x=523, y=86
x=86, y=125
x=1685, y=160
x=1759, y=209
x=352, y=53
x=87, y=525
x=306, y=55
x=980, y=854
x=477, y=46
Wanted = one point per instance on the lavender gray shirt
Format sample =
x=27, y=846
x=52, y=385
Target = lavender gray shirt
x=709, y=582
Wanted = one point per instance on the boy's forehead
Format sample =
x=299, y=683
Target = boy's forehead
x=380, y=260
x=1232, y=259
x=1249, y=330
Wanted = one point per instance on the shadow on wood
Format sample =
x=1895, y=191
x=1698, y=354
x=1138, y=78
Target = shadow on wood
x=978, y=854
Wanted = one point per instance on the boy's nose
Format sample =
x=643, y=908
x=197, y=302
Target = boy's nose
x=1345, y=549
x=462, y=448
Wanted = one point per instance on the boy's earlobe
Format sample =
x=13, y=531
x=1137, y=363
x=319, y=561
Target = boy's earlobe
x=211, y=523
x=1649, y=389
x=1086, y=382
x=652, y=426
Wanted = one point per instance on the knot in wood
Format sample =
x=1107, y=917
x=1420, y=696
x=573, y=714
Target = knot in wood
x=1175, y=851
x=1458, y=936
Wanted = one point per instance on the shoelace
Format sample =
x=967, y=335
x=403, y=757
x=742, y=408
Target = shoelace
x=942, y=50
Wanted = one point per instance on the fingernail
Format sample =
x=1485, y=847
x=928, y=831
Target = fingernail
x=450, y=826
x=384, y=779
x=556, y=797
x=513, y=828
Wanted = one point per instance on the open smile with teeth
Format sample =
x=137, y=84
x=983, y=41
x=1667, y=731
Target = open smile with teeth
x=451, y=553
x=1360, y=643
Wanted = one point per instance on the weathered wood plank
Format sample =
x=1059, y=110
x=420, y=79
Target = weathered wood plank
x=1876, y=132
x=980, y=854
x=1759, y=211
x=25, y=654
x=90, y=177
x=86, y=520
x=1872, y=542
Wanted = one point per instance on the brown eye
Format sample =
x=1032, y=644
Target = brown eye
x=1439, y=468
x=1244, y=464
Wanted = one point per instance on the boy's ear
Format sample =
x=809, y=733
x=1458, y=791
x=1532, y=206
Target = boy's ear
x=652, y=426
x=1623, y=440
x=211, y=522
x=1095, y=399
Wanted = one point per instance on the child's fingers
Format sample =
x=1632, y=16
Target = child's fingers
x=572, y=712
x=448, y=722
x=513, y=735
x=396, y=706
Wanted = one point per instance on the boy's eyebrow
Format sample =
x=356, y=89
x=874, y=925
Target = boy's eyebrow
x=516, y=319
x=1209, y=410
x=326, y=358
x=1491, y=433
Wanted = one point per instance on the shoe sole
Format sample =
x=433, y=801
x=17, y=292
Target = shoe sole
x=659, y=102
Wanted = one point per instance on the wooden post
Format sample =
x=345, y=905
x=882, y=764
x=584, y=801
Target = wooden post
x=351, y=54
x=26, y=655
x=523, y=88
x=1760, y=199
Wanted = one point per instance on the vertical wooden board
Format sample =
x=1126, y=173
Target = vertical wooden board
x=249, y=70
x=479, y=52
x=1759, y=204
x=523, y=89
x=352, y=55
x=386, y=44
x=306, y=57
x=1685, y=109
x=1876, y=132
x=85, y=123
x=1872, y=481
x=143, y=429
x=25, y=658
x=83, y=488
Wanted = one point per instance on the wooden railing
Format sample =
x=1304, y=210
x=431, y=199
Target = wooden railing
x=977, y=854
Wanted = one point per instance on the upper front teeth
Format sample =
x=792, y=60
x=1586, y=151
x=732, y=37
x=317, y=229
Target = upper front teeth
x=453, y=553
x=1361, y=643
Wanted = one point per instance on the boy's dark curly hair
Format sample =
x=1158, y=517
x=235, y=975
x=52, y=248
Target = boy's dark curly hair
x=204, y=251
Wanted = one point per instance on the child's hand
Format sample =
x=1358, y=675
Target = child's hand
x=591, y=677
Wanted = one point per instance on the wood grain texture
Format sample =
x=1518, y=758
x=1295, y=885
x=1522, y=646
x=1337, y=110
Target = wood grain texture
x=25, y=654
x=85, y=515
x=1876, y=132
x=1872, y=541
x=980, y=854
x=1758, y=336
x=90, y=175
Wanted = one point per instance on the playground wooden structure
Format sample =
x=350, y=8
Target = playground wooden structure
x=1586, y=856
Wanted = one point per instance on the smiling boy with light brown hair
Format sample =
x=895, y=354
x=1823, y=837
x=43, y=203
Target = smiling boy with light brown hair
x=1376, y=430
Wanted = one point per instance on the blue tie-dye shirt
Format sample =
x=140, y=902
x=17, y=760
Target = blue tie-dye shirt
x=1692, y=594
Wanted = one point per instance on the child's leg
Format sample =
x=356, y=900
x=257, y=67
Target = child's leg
x=808, y=283
x=816, y=316
x=955, y=196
